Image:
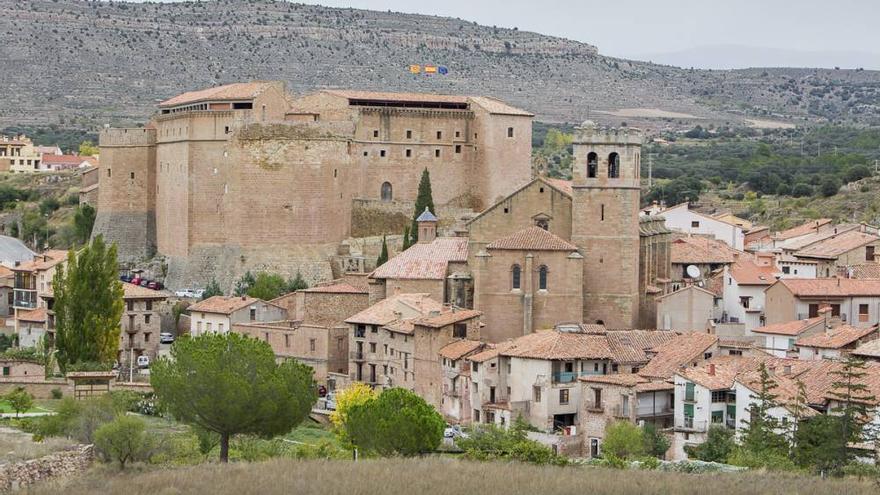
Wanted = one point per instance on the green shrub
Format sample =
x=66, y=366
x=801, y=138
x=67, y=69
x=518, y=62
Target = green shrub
x=718, y=446
x=124, y=440
x=761, y=460
x=623, y=440
x=57, y=393
x=324, y=449
x=20, y=400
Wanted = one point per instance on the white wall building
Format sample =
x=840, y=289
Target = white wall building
x=682, y=219
x=218, y=313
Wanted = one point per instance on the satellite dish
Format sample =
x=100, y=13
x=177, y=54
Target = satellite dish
x=693, y=271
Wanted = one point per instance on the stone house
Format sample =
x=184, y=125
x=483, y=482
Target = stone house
x=841, y=250
x=791, y=266
x=709, y=256
x=690, y=309
x=779, y=339
x=682, y=219
x=7, y=294
x=88, y=191
x=18, y=155
x=21, y=370
x=855, y=301
x=432, y=333
x=33, y=279
x=30, y=326
x=834, y=343
x=455, y=379
x=219, y=313
x=489, y=375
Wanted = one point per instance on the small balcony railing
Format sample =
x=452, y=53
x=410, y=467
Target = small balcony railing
x=569, y=376
x=687, y=423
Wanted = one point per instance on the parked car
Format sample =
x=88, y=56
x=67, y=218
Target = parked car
x=136, y=280
x=194, y=293
x=125, y=278
x=330, y=401
x=166, y=338
x=144, y=282
x=143, y=361
x=454, y=431
x=155, y=285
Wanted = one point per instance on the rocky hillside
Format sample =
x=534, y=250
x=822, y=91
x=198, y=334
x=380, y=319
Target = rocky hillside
x=87, y=63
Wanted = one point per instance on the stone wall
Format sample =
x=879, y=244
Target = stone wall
x=65, y=463
x=374, y=217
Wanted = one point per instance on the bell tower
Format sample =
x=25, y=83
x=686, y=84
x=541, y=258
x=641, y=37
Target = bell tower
x=605, y=221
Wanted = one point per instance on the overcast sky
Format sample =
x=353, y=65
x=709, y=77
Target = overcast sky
x=829, y=30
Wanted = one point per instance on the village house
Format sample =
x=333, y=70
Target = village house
x=455, y=379
x=779, y=339
x=785, y=238
x=791, y=266
x=33, y=279
x=757, y=239
x=218, y=313
x=707, y=256
x=690, y=309
x=868, y=351
x=682, y=219
x=18, y=155
x=743, y=289
x=57, y=163
x=856, y=302
x=13, y=252
x=841, y=250
x=834, y=343
x=860, y=270
x=7, y=294
x=21, y=370
x=30, y=327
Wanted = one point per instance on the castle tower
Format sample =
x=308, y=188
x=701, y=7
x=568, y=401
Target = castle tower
x=605, y=222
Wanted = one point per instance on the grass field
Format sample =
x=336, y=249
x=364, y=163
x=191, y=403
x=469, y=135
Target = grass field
x=6, y=408
x=436, y=476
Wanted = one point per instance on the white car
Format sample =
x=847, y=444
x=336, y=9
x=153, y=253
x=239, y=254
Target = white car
x=454, y=431
x=166, y=338
x=191, y=293
x=143, y=361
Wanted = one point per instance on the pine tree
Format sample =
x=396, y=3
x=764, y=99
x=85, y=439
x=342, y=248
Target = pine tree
x=383, y=255
x=853, y=398
x=297, y=283
x=762, y=434
x=424, y=200
x=798, y=410
x=213, y=289
x=407, y=241
x=88, y=306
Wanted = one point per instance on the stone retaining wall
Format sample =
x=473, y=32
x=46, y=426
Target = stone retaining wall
x=66, y=463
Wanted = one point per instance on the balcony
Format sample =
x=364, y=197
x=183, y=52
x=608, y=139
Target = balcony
x=569, y=376
x=647, y=412
x=688, y=424
x=26, y=299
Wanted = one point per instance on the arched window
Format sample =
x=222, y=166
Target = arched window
x=542, y=277
x=592, y=165
x=386, y=191
x=613, y=166
x=515, y=276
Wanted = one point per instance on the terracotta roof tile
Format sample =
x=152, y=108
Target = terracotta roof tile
x=810, y=239
x=498, y=107
x=491, y=351
x=222, y=304
x=802, y=229
x=701, y=250
x=131, y=291
x=795, y=327
x=837, y=338
x=35, y=315
x=837, y=245
x=425, y=260
x=234, y=91
x=43, y=261
x=683, y=349
x=786, y=390
x=749, y=272
x=553, y=344
x=460, y=348
x=630, y=346
x=562, y=185
x=532, y=239
x=864, y=271
x=830, y=287
x=868, y=349
x=397, y=308
x=447, y=317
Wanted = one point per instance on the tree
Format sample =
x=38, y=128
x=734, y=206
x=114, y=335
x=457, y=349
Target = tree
x=213, y=289
x=267, y=286
x=762, y=434
x=829, y=186
x=230, y=384
x=356, y=394
x=398, y=422
x=656, y=443
x=88, y=306
x=801, y=190
x=623, y=440
x=297, y=283
x=83, y=222
x=424, y=199
x=20, y=400
x=244, y=284
x=88, y=148
x=854, y=402
x=718, y=446
x=383, y=255
x=124, y=440
x=817, y=444
x=407, y=238
x=857, y=172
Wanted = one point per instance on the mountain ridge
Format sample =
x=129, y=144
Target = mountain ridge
x=87, y=63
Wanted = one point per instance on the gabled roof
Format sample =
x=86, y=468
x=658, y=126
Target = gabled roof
x=532, y=239
x=131, y=291
x=448, y=317
x=864, y=271
x=837, y=245
x=556, y=345
x=398, y=307
x=868, y=349
x=561, y=186
x=792, y=328
x=701, y=250
x=815, y=237
x=35, y=315
x=837, y=338
x=803, y=229
x=490, y=352
x=688, y=288
x=42, y=261
x=630, y=346
x=227, y=92
x=680, y=351
x=425, y=261
x=830, y=287
x=786, y=391
x=223, y=305
x=748, y=272
x=460, y=348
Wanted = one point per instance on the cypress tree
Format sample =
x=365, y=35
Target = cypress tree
x=762, y=434
x=383, y=255
x=407, y=241
x=423, y=200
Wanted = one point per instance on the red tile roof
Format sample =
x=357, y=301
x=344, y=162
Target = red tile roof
x=670, y=356
x=35, y=315
x=802, y=229
x=489, y=104
x=42, y=261
x=831, y=287
x=425, y=260
x=792, y=328
x=234, y=91
x=532, y=239
x=748, y=272
x=837, y=245
x=397, y=308
x=553, y=344
x=562, y=185
x=868, y=349
x=491, y=351
x=448, y=317
x=63, y=160
x=460, y=348
x=701, y=250
x=630, y=346
x=837, y=338
x=864, y=271
x=222, y=304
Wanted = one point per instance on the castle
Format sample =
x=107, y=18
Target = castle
x=248, y=167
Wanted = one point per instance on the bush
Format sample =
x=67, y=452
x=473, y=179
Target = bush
x=57, y=393
x=718, y=446
x=623, y=440
x=656, y=443
x=829, y=186
x=123, y=440
x=488, y=442
x=20, y=400
x=761, y=460
x=398, y=422
x=801, y=190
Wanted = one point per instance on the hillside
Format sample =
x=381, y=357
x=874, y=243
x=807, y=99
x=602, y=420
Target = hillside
x=82, y=64
x=437, y=476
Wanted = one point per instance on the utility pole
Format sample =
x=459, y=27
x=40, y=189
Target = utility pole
x=651, y=170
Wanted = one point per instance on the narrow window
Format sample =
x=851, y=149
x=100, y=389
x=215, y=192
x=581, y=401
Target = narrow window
x=695, y=224
x=132, y=175
x=458, y=148
x=437, y=153
x=226, y=130
x=375, y=133
x=108, y=172
x=510, y=132
x=542, y=277
x=516, y=273
x=613, y=166
x=863, y=312
x=312, y=345
x=459, y=331
x=592, y=165
x=439, y=134
x=253, y=314
x=602, y=212
x=382, y=153
x=408, y=153
x=386, y=193
x=408, y=134
x=869, y=253
x=366, y=153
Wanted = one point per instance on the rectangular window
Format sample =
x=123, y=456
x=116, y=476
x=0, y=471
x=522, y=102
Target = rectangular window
x=510, y=132
x=863, y=312
x=744, y=301
x=437, y=153
x=6, y=371
x=147, y=319
x=689, y=411
x=373, y=347
x=835, y=310
x=695, y=224
x=717, y=417
x=786, y=270
x=108, y=172
x=132, y=175
x=147, y=337
x=374, y=329
x=208, y=326
x=312, y=345
x=869, y=253
x=286, y=340
x=536, y=394
x=220, y=327
x=689, y=392
x=602, y=213
x=475, y=367
x=563, y=396
x=458, y=148
x=149, y=305
x=459, y=331
x=439, y=134
x=408, y=134
x=375, y=133
x=408, y=153
x=129, y=305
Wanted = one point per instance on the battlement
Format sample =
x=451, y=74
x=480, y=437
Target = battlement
x=591, y=133
x=139, y=136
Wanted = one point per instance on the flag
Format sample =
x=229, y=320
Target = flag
x=442, y=70
x=430, y=69
x=415, y=69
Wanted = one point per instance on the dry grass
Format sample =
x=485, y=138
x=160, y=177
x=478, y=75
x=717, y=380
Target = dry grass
x=16, y=445
x=436, y=476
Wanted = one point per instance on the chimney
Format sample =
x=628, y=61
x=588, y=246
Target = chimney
x=786, y=370
x=711, y=369
x=244, y=297
x=427, y=226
